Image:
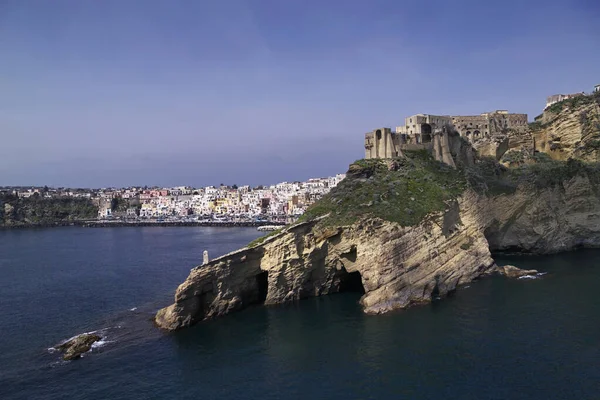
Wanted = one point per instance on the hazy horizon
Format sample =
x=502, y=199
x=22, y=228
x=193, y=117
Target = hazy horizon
x=173, y=93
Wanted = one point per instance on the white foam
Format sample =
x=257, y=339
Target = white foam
x=133, y=309
x=79, y=334
x=541, y=273
x=100, y=343
x=466, y=287
x=528, y=277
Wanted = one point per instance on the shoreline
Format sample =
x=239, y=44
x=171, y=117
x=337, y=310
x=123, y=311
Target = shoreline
x=119, y=224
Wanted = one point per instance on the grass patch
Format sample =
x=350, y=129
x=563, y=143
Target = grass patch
x=413, y=187
x=261, y=239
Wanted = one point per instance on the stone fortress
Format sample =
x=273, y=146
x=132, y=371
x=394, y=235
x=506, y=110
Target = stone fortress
x=419, y=130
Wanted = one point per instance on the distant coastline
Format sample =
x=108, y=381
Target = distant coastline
x=137, y=223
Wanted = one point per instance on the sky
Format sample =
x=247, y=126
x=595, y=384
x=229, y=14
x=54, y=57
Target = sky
x=168, y=93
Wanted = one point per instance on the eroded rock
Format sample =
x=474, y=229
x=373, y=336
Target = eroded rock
x=74, y=348
x=510, y=271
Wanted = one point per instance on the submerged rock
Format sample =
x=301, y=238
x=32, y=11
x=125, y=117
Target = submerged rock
x=75, y=347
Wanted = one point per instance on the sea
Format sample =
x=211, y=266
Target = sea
x=495, y=338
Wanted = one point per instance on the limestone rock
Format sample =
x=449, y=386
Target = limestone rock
x=75, y=347
x=510, y=271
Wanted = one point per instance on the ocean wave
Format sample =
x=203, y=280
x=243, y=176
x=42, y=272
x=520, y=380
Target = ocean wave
x=541, y=274
x=133, y=309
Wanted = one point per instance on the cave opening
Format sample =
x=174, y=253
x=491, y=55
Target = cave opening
x=352, y=282
x=262, y=285
x=435, y=293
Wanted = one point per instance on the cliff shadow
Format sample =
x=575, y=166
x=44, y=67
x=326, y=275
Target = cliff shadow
x=351, y=282
x=255, y=288
x=262, y=286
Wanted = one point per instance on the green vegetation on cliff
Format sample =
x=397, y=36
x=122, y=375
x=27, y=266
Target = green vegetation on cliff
x=574, y=102
x=36, y=210
x=261, y=239
x=402, y=190
x=492, y=179
x=405, y=190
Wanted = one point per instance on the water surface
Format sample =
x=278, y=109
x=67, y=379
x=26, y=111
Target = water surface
x=495, y=338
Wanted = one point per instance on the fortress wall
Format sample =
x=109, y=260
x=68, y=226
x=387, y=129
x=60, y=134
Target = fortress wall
x=467, y=125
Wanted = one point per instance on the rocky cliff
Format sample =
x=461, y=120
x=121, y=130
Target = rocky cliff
x=40, y=211
x=570, y=128
x=567, y=129
x=402, y=232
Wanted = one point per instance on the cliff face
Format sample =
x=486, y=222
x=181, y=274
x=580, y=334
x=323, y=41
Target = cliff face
x=36, y=210
x=395, y=259
x=570, y=128
x=552, y=219
x=394, y=266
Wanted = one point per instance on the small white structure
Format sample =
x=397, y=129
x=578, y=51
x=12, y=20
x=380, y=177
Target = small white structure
x=205, y=257
x=597, y=88
x=104, y=213
x=560, y=97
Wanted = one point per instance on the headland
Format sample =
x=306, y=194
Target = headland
x=415, y=220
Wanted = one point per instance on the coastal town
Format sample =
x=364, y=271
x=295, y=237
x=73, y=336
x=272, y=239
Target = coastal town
x=280, y=203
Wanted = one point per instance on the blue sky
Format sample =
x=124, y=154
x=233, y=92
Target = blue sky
x=113, y=93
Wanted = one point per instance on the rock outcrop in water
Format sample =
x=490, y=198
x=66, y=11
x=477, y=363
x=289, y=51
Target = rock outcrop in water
x=510, y=271
x=73, y=349
x=403, y=232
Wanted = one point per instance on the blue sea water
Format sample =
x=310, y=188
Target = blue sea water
x=493, y=339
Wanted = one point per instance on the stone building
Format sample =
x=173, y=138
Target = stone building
x=488, y=124
x=418, y=131
x=418, y=128
x=596, y=88
x=382, y=143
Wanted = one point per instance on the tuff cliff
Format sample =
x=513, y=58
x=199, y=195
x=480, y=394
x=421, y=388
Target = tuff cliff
x=39, y=211
x=567, y=129
x=570, y=129
x=402, y=231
